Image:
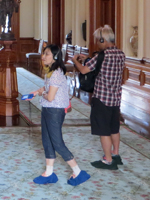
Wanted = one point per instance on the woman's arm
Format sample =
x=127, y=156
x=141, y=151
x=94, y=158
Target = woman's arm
x=38, y=92
x=50, y=96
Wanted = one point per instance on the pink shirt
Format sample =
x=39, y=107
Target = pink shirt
x=58, y=79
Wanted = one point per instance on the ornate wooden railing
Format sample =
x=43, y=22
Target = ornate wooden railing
x=135, y=106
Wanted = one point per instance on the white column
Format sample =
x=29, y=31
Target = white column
x=146, y=28
x=73, y=22
x=44, y=20
x=78, y=17
x=76, y=12
x=87, y=21
x=68, y=17
x=140, y=28
x=130, y=18
x=26, y=18
x=37, y=19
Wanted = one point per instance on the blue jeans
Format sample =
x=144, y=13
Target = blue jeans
x=51, y=121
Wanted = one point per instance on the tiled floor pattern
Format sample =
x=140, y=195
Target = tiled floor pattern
x=22, y=158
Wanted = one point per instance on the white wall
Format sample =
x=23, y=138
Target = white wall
x=136, y=13
x=68, y=17
x=34, y=22
x=79, y=16
x=140, y=29
x=27, y=18
x=87, y=22
x=146, y=28
x=130, y=19
x=37, y=19
x=76, y=12
x=44, y=20
x=34, y=19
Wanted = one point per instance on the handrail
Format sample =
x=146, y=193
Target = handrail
x=2, y=47
x=144, y=60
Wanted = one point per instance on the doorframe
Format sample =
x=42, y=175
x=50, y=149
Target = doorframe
x=95, y=22
x=52, y=19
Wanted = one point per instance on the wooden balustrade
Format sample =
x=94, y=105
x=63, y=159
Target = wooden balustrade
x=135, y=105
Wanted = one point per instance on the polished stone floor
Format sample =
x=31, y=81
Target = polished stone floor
x=22, y=156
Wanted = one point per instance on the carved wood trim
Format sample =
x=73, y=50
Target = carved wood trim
x=94, y=23
x=135, y=110
x=49, y=21
x=9, y=105
x=62, y=22
x=56, y=21
x=135, y=104
x=103, y=12
x=27, y=45
x=132, y=59
x=15, y=25
x=118, y=24
x=137, y=73
x=146, y=60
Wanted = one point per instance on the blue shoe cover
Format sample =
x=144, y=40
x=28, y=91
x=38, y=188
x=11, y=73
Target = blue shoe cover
x=44, y=180
x=81, y=178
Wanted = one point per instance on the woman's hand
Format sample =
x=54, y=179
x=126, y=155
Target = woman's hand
x=40, y=91
x=37, y=92
x=34, y=93
x=30, y=97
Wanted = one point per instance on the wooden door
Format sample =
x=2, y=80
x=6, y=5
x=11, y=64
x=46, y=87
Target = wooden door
x=56, y=22
x=104, y=12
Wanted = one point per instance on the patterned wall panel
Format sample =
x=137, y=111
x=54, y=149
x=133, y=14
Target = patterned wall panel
x=27, y=45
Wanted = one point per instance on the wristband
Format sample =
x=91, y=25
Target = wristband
x=44, y=92
x=36, y=93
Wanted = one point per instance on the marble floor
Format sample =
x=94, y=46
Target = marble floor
x=22, y=156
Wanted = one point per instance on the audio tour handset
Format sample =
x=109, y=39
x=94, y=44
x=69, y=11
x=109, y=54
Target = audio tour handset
x=27, y=96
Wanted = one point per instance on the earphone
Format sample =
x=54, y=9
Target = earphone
x=56, y=56
x=101, y=38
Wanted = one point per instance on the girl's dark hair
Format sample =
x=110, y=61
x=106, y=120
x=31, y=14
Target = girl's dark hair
x=57, y=55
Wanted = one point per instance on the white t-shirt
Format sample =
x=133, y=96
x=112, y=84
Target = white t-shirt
x=57, y=79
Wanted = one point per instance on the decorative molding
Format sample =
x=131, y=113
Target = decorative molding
x=27, y=45
x=9, y=105
x=56, y=21
x=62, y=22
x=136, y=95
x=146, y=60
x=133, y=59
x=98, y=17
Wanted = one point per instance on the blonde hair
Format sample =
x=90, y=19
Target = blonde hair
x=105, y=32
